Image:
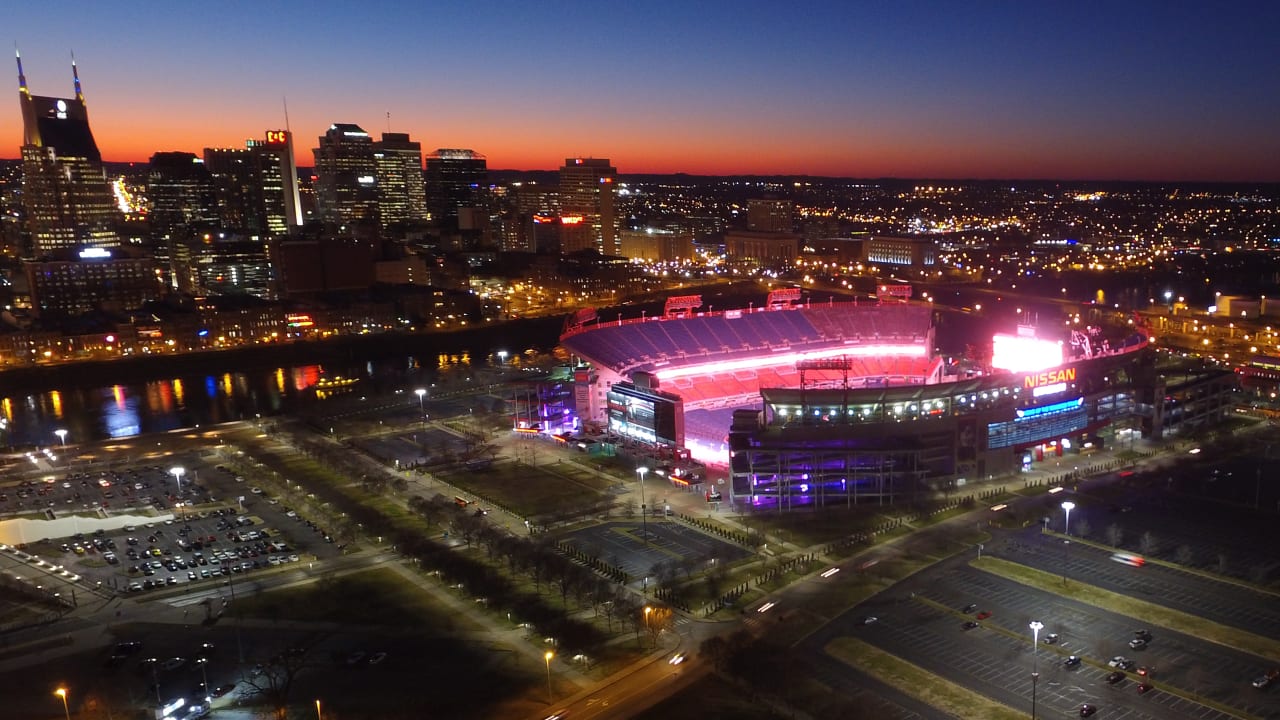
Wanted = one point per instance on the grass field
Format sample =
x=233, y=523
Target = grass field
x=715, y=698
x=1149, y=613
x=526, y=490
x=370, y=597
x=814, y=527
x=919, y=683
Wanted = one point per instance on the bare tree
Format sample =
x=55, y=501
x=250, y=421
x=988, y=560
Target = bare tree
x=1222, y=563
x=1185, y=555
x=272, y=681
x=1083, y=528
x=1148, y=543
x=1115, y=535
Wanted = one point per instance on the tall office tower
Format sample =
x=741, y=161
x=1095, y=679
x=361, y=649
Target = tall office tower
x=768, y=215
x=257, y=187
x=454, y=180
x=181, y=193
x=278, y=170
x=587, y=191
x=346, y=177
x=68, y=202
x=401, y=195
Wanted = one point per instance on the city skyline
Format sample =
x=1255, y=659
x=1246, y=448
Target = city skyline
x=1144, y=92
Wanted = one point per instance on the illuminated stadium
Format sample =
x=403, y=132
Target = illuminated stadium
x=847, y=402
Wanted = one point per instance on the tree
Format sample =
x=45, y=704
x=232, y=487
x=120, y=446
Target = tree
x=273, y=680
x=1148, y=543
x=1222, y=563
x=1083, y=528
x=1114, y=535
x=1185, y=555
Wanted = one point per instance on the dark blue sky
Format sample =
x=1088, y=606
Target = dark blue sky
x=1129, y=90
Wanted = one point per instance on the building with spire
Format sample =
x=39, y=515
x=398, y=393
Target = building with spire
x=68, y=202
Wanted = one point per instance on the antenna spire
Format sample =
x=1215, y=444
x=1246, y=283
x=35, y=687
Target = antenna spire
x=285, y=101
x=75, y=73
x=22, y=79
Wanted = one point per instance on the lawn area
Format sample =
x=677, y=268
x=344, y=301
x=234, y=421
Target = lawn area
x=1148, y=613
x=919, y=683
x=369, y=597
x=526, y=490
x=709, y=697
x=813, y=527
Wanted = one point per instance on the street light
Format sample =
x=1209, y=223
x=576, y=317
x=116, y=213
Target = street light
x=644, y=514
x=62, y=693
x=1068, y=506
x=205, y=676
x=318, y=709
x=420, y=392
x=547, y=656
x=62, y=435
x=502, y=357
x=1035, y=670
x=649, y=628
x=178, y=472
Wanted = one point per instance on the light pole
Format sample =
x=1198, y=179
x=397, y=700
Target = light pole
x=62, y=435
x=421, y=392
x=647, y=627
x=204, y=675
x=318, y=717
x=1068, y=506
x=644, y=513
x=1035, y=670
x=62, y=693
x=547, y=656
x=177, y=471
x=502, y=357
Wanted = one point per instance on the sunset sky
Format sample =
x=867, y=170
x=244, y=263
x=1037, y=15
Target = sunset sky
x=988, y=89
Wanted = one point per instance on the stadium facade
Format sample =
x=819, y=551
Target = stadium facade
x=800, y=404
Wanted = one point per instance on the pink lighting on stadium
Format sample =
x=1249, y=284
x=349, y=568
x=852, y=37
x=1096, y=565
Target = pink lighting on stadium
x=790, y=359
x=1024, y=354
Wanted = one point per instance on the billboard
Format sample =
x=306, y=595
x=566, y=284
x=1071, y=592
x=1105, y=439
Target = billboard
x=1024, y=354
x=646, y=415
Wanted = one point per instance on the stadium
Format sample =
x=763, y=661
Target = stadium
x=801, y=404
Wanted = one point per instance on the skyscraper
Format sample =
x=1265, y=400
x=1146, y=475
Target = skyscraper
x=346, y=177
x=68, y=203
x=181, y=194
x=454, y=179
x=257, y=186
x=587, y=191
x=278, y=170
x=401, y=195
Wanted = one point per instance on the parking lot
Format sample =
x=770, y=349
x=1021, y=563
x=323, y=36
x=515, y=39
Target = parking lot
x=623, y=544
x=972, y=628
x=90, y=489
x=195, y=541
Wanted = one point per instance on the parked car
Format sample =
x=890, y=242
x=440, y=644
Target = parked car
x=1071, y=661
x=1088, y=709
x=1115, y=676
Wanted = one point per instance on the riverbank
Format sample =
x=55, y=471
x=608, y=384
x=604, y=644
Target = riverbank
x=514, y=336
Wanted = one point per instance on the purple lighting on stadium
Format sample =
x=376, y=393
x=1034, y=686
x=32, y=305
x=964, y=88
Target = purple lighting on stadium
x=790, y=359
